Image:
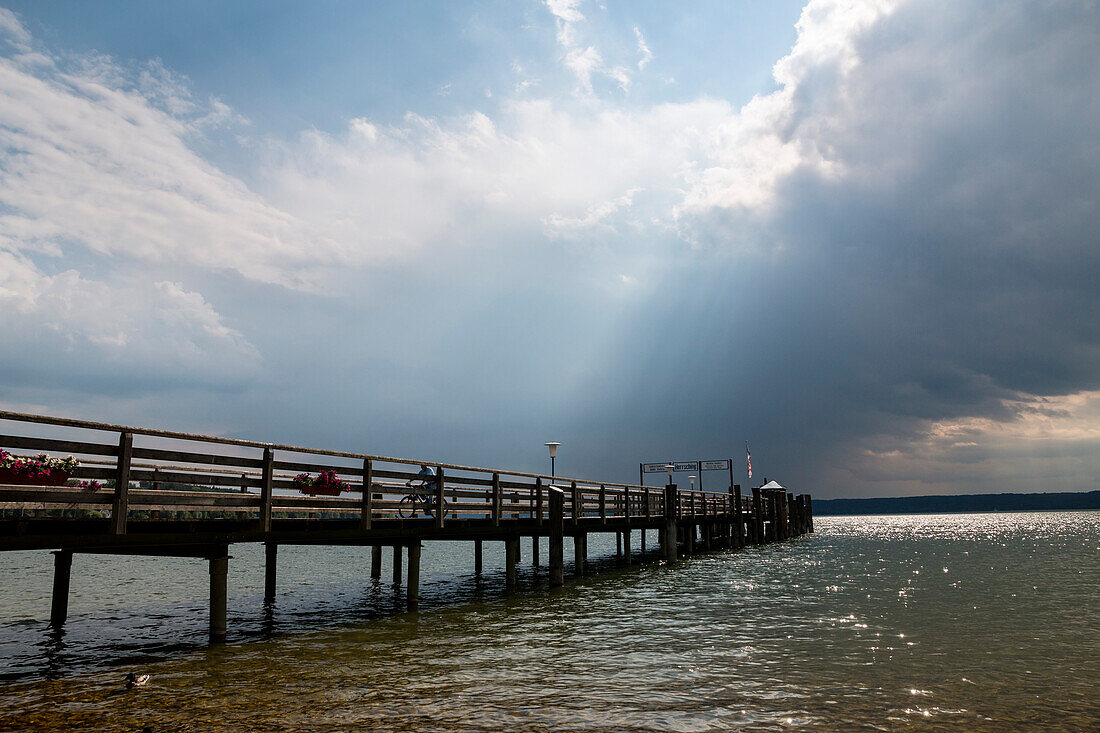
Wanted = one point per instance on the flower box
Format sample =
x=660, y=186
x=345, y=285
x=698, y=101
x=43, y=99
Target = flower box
x=53, y=478
x=320, y=491
x=325, y=484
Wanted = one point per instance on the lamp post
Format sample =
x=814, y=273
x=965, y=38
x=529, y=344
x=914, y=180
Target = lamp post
x=692, y=480
x=553, y=446
x=669, y=468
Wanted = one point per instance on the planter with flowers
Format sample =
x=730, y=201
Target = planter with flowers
x=324, y=484
x=39, y=470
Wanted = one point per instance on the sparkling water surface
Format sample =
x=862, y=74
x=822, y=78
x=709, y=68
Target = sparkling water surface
x=965, y=622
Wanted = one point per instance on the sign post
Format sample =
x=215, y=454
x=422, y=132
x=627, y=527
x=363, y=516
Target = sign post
x=725, y=464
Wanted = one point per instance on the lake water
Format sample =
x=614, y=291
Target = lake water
x=933, y=622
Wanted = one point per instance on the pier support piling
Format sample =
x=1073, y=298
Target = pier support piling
x=62, y=569
x=557, y=534
x=669, y=540
x=626, y=546
x=271, y=556
x=412, y=590
x=376, y=562
x=580, y=552
x=478, y=561
x=535, y=550
x=219, y=575
x=397, y=564
x=511, y=558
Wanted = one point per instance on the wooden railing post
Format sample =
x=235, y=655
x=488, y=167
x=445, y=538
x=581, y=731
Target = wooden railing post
x=738, y=517
x=497, y=499
x=757, y=517
x=440, y=509
x=368, y=490
x=669, y=540
x=265, y=489
x=603, y=504
x=786, y=500
x=773, y=515
x=648, y=512
x=576, y=499
x=538, y=500
x=121, y=506
x=557, y=537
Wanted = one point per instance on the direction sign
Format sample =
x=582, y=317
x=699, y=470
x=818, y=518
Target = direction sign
x=678, y=466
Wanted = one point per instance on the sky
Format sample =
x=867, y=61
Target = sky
x=858, y=235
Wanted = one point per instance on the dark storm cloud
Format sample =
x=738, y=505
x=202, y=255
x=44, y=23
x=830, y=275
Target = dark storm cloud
x=950, y=264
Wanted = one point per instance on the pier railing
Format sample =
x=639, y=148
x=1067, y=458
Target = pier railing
x=129, y=469
x=142, y=491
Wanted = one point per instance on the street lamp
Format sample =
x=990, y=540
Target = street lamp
x=692, y=479
x=670, y=468
x=553, y=446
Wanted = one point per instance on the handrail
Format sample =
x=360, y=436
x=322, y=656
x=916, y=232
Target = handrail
x=472, y=493
x=110, y=427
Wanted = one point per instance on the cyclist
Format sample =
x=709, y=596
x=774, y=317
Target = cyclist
x=421, y=486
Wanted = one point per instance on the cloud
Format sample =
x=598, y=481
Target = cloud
x=400, y=191
x=12, y=31
x=585, y=61
x=126, y=337
x=643, y=49
x=93, y=158
x=567, y=14
x=95, y=171
x=561, y=226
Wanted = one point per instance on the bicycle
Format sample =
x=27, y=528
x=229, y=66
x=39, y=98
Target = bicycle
x=417, y=501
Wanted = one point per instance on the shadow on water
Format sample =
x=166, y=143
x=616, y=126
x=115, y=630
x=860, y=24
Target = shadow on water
x=143, y=633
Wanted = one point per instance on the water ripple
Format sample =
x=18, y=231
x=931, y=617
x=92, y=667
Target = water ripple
x=954, y=622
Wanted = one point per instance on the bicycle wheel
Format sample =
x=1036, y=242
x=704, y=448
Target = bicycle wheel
x=407, y=508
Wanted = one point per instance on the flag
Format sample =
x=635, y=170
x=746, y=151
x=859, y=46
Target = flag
x=748, y=458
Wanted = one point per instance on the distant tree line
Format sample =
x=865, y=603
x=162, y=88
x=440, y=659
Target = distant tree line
x=1066, y=501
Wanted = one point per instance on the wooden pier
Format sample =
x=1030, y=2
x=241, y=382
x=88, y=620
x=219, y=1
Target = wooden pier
x=176, y=494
